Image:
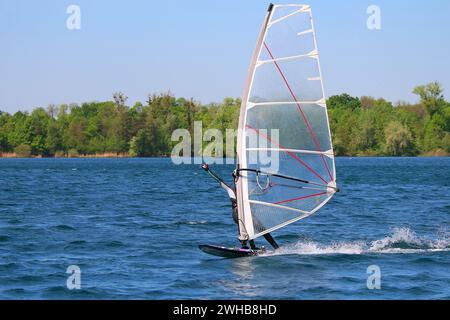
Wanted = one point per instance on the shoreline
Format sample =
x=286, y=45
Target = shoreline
x=127, y=156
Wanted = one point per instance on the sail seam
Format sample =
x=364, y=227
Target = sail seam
x=291, y=150
x=301, y=198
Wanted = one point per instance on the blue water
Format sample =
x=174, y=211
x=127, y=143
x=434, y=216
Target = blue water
x=133, y=226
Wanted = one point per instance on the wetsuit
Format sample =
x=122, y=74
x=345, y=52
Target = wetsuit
x=228, y=189
x=232, y=195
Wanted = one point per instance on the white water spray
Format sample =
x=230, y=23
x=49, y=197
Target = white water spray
x=402, y=240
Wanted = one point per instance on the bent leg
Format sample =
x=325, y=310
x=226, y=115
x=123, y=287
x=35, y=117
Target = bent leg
x=272, y=241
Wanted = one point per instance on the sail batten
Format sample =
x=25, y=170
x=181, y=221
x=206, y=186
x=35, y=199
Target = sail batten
x=304, y=8
x=285, y=95
x=326, y=153
x=277, y=206
x=302, y=216
x=312, y=54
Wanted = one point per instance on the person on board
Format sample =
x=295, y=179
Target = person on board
x=234, y=207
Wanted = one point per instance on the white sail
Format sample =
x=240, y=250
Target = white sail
x=284, y=92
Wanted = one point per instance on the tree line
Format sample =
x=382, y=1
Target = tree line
x=360, y=126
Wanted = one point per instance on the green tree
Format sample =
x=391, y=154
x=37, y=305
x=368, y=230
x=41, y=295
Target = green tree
x=367, y=141
x=431, y=97
x=398, y=140
x=143, y=144
x=53, y=141
x=344, y=101
x=119, y=99
x=75, y=136
x=39, y=121
x=4, y=145
x=18, y=129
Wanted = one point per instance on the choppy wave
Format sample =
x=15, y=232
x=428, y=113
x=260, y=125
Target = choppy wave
x=193, y=223
x=402, y=240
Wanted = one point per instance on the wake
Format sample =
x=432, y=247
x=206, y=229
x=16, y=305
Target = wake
x=401, y=241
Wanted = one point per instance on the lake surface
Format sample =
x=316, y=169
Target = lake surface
x=133, y=226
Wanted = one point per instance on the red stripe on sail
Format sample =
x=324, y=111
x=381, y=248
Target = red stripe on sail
x=288, y=152
x=302, y=198
x=300, y=109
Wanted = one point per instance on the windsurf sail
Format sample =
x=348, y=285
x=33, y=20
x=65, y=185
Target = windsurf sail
x=283, y=118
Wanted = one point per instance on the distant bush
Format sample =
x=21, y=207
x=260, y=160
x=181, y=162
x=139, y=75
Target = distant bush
x=133, y=152
x=60, y=154
x=437, y=153
x=73, y=153
x=399, y=140
x=23, y=151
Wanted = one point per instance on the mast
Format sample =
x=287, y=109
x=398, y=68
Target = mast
x=245, y=222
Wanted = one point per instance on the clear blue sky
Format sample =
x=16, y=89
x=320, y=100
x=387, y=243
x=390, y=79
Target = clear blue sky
x=202, y=49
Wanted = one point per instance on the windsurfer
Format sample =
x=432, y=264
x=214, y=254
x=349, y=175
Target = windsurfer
x=232, y=195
